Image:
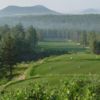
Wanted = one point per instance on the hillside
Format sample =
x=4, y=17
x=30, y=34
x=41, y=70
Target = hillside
x=69, y=75
x=57, y=27
x=34, y=10
x=59, y=22
x=67, y=65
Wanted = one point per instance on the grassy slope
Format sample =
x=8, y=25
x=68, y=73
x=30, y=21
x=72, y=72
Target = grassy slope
x=48, y=45
x=68, y=64
x=56, y=69
x=49, y=81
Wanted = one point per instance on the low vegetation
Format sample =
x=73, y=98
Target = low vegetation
x=53, y=88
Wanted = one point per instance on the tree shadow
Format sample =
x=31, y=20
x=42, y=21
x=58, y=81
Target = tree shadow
x=90, y=59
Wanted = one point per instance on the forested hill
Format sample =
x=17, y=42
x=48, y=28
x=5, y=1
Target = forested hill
x=59, y=27
x=34, y=10
x=89, y=22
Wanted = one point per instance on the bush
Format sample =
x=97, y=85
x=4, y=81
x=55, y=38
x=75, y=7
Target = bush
x=72, y=90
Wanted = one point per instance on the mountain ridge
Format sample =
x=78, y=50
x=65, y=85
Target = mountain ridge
x=90, y=11
x=32, y=10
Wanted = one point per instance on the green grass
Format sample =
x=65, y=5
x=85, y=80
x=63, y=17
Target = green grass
x=58, y=44
x=62, y=45
x=67, y=64
x=60, y=66
x=50, y=81
x=54, y=71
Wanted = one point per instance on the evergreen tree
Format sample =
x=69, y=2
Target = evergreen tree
x=96, y=46
x=84, y=39
x=31, y=37
x=8, y=53
x=18, y=32
x=92, y=41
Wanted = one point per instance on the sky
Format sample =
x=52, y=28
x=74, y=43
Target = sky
x=64, y=6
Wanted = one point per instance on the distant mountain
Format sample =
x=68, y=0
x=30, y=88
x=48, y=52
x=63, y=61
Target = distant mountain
x=90, y=11
x=34, y=10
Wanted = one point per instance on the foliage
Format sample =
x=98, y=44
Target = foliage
x=69, y=90
x=96, y=46
x=14, y=47
x=92, y=39
x=8, y=53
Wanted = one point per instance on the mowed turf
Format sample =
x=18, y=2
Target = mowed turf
x=69, y=45
x=67, y=64
x=58, y=44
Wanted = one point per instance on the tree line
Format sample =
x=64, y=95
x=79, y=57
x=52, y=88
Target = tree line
x=16, y=44
x=87, y=22
x=19, y=44
x=91, y=40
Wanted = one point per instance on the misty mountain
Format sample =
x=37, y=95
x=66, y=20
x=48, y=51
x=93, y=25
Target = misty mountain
x=90, y=11
x=34, y=10
x=89, y=22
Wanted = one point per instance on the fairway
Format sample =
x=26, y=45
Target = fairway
x=67, y=64
x=61, y=45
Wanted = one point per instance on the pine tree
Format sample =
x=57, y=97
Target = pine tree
x=8, y=53
x=92, y=41
x=32, y=37
x=84, y=39
x=18, y=32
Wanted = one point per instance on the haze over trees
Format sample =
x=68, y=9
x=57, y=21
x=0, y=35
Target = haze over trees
x=19, y=42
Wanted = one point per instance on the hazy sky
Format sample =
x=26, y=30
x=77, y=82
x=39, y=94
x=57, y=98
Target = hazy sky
x=64, y=6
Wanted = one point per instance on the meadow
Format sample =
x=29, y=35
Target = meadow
x=61, y=45
x=68, y=64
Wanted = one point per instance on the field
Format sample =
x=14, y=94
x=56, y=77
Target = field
x=58, y=44
x=63, y=77
x=68, y=64
x=61, y=45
